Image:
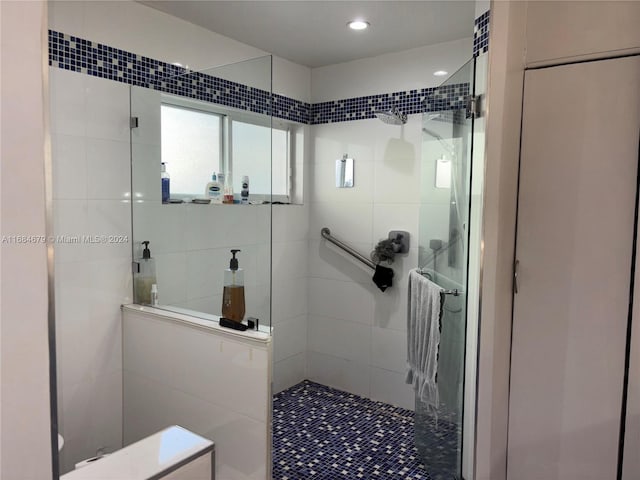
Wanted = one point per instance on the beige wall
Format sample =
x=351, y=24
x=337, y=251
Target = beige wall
x=560, y=31
x=506, y=70
x=25, y=435
x=523, y=34
x=631, y=468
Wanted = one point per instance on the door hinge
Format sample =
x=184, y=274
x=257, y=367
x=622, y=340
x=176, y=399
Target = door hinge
x=474, y=106
x=133, y=122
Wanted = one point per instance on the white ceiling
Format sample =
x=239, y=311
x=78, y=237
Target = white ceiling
x=314, y=33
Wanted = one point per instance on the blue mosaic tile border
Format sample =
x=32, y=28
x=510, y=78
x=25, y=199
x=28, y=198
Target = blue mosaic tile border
x=449, y=97
x=481, y=34
x=291, y=109
x=84, y=56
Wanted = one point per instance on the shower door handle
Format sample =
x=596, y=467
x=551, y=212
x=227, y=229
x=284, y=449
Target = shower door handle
x=516, y=266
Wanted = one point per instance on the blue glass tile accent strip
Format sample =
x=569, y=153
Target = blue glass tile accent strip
x=326, y=434
x=449, y=97
x=481, y=34
x=84, y=56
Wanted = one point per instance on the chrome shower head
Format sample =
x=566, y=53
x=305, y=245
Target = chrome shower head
x=392, y=117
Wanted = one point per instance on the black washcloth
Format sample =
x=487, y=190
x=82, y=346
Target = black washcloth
x=383, y=277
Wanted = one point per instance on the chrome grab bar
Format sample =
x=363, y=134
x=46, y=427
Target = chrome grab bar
x=326, y=234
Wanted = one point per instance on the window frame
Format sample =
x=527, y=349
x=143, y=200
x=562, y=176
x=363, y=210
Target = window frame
x=191, y=106
x=227, y=116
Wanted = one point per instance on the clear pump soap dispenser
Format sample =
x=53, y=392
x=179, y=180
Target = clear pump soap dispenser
x=166, y=181
x=145, y=277
x=233, y=295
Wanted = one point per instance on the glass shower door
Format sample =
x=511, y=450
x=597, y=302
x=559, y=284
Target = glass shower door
x=447, y=139
x=196, y=124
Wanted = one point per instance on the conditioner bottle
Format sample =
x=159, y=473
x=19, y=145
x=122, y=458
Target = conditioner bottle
x=145, y=277
x=233, y=294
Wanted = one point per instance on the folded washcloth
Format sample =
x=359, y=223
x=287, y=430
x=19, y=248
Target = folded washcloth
x=383, y=277
x=423, y=337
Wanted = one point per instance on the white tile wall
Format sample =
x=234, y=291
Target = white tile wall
x=191, y=243
x=143, y=30
x=356, y=333
x=328, y=261
x=349, y=301
x=290, y=338
x=340, y=338
x=213, y=385
x=340, y=373
x=107, y=160
x=388, y=349
x=390, y=387
x=90, y=139
x=289, y=372
x=289, y=294
x=355, y=330
x=71, y=157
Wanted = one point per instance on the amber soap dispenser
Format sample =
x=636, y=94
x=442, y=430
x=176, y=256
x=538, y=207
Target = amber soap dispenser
x=233, y=296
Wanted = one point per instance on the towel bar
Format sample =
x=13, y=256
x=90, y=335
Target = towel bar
x=455, y=292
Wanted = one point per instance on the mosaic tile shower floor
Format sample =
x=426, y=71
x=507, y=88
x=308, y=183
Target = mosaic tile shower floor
x=327, y=434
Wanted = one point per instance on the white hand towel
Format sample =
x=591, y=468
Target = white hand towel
x=423, y=336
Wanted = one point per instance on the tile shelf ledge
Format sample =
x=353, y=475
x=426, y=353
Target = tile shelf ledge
x=202, y=321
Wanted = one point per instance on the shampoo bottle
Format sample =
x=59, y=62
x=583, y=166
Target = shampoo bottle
x=228, y=189
x=154, y=295
x=244, y=194
x=233, y=295
x=145, y=277
x=214, y=190
x=164, y=176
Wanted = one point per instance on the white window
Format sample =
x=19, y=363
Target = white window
x=191, y=148
x=197, y=142
x=268, y=171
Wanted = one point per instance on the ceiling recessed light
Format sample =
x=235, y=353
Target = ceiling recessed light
x=358, y=24
x=440, y=73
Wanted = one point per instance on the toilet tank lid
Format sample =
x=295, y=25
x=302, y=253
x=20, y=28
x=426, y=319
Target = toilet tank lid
x=151, y=457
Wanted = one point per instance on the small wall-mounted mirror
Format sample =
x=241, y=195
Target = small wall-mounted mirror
x=443, y=173
x=344, y=172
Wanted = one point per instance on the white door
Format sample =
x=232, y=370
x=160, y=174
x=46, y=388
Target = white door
x=579, y=156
